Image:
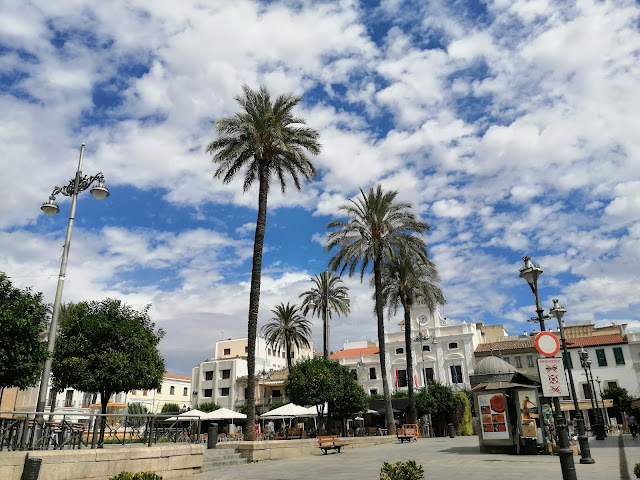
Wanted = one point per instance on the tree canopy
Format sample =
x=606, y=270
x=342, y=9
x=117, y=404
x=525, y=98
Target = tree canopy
x=316, y=381
x=288, y=328
x=107, y=347
x=23, y=320
x=621, y=399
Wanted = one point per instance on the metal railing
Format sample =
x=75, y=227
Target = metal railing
x=63, y=430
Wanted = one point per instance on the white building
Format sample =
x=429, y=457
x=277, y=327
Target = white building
x=441, y=351
x=214, y=380
x=174, y=389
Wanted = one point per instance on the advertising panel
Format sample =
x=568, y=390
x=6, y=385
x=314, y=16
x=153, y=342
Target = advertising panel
x=493, y=416
x=528, y=403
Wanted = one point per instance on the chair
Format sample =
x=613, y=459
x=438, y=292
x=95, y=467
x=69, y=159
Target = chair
x=222, y=437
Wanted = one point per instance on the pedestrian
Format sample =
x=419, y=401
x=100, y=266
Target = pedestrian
x=272, y=428
x=633, y=425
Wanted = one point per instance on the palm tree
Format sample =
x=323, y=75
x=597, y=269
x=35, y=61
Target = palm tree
x=327, y=294
x=377, y=225
x=266, y=141
x=287, y=329
x=406, y=277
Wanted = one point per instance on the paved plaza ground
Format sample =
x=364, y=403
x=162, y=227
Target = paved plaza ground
x=442, y=458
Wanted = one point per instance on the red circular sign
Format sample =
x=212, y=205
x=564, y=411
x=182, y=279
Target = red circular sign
x=547, y=344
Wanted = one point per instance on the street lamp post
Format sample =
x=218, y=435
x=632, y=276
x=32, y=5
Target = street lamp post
x=77, y=185
x=598, y=427
x=605, y=416
x=585, y=451
x=531, y=273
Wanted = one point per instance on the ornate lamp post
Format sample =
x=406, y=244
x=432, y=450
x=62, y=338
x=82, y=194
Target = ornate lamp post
x=77, y=185
x=585, y=451
x=598, y=427
x=531, y=273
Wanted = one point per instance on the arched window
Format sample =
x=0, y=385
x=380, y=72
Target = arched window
x=453, y=345
x=399, y=351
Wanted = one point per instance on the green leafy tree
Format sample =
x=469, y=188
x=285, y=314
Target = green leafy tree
x=316, y=381
x=136, y=409
x=107, y=347
x=425, y=403
x=288, y=328
x=405, y=278
x=23, y=319
x=445, y=406
x=170, y=408
x=268, y=142
x=621, y=400
x=376, y=226
x=326, y=295
x=208, y=407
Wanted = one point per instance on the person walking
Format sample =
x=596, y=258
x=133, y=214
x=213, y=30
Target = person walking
x=633, y=425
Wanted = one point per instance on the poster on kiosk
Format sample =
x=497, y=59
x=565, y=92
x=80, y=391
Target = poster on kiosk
x=493, y=416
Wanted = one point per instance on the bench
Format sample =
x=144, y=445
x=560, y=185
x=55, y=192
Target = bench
x=330, y=442
x=406, y=434
x=294, y=432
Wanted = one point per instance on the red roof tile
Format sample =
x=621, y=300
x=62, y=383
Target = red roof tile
x=177, y=377
x=527, y=343
x=356, y=352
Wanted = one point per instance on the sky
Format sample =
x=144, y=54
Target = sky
x=511, y=126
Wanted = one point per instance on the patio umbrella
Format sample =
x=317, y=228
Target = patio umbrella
x=224, y=414
x=189, y=415
x=290, y=410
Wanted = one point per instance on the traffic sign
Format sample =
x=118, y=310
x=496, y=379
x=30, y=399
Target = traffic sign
x=547, y=344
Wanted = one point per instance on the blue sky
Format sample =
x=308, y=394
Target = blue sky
x=511, y=126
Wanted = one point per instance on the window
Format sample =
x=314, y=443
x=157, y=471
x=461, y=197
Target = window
x=208, y=375
x=224, y=392
x=568, y=362
x=208, y=392
x=372, y=373
x=586, y=390
x=456, y=373
x=602, y=359
x=275, y=393
x=399, y=351
x=246, y=349
x=506, y=359
x=160, y=389
x=619, y=356
x=227, y=351
x=225, y=374
x=269, y=352
x=401, y=378
x=428, y=374
x=185, y=391
x=284, y=355
x=144, y=393
x=518, y=362
x=245, y=392
x=426, y=348
x=86, y=400
x=612, y=384
x=172, y=390
x=530, y=362
x=453, y=345
x=134, y=392
x=373, y=391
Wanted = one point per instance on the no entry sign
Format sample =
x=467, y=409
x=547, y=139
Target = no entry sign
x=547, y=344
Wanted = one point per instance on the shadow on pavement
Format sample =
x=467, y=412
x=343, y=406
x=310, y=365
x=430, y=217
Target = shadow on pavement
x=475, y=450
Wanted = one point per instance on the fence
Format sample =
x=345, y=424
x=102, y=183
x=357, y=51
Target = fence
x=57, y=430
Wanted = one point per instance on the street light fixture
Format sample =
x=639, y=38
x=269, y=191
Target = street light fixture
x=585, y=451
x=598, y=427
x=77, y=185
x=531, y=273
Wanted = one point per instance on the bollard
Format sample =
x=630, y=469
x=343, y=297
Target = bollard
x=212, y=435
x=452, y=431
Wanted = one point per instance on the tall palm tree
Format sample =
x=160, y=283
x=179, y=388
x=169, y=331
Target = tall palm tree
x=287, y=329
x=405, y=278
x=266, y=141
x=327, y=294
x=377, y=225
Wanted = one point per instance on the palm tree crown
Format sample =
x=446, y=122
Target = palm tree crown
x=376, y=226
x=326, y=295
x=287, y=329
x=406, y=277
x=266, y=141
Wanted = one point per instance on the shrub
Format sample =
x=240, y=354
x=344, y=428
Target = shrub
x=169, y=408
x=136, y=476
x=636, y=470
x=408, y=470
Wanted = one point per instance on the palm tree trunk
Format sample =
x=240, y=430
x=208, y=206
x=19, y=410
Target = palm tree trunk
x=377, y=275
x=288, y=347
x=325, y=329
x=254, y=304
x=411, y=413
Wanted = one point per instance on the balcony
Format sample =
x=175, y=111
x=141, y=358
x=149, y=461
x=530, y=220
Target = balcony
x=263, y=402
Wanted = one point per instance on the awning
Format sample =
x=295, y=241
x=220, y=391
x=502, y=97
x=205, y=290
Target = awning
x=584, y=404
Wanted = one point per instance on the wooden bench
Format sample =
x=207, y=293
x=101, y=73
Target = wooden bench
x=330, y=442
x=294, y=432
x=406, y=434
